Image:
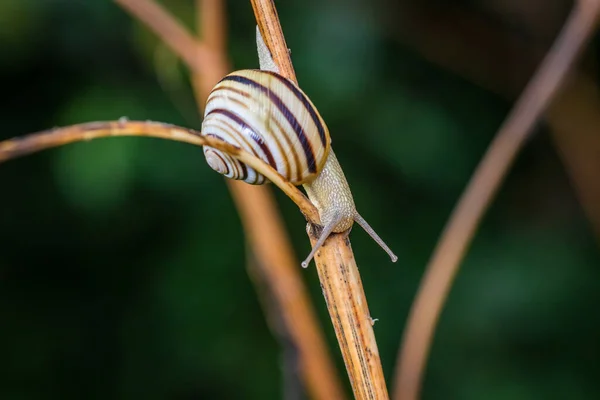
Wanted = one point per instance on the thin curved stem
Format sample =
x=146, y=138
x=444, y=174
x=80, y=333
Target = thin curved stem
x=461, y=227
x=23, y=145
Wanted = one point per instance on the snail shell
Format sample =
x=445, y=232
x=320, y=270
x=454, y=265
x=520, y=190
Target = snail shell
x=270, y=117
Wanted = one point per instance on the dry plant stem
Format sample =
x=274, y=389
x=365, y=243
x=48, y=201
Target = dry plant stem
x=573, y=116
x=276, y=264
x=477, y=196
x=349, y=312
x=338, y=273
x=196, y=55
x=24, y=145
x=20, y=146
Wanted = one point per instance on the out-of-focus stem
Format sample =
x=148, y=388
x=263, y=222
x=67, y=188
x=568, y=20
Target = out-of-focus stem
x=476, y=46
x=210, y=22
x=484, y=184
x=197, y=55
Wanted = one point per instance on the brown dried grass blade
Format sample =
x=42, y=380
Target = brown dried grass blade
x=336, y=266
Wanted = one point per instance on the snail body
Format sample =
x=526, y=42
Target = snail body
x=270, y=117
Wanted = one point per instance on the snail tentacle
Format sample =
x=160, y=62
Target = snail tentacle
x=371, y=232
x=324, y=235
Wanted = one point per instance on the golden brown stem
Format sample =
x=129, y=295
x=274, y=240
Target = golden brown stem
x=23, y=145
x=485, y=182
x=338, y=273
x=270, y=29
x=349, y=313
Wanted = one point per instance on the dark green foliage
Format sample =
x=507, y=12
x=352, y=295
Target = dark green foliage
x=122, y=268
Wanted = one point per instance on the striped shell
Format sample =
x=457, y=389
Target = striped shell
x=270, y=117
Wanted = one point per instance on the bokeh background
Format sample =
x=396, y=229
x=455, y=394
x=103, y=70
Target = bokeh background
x=122, y=267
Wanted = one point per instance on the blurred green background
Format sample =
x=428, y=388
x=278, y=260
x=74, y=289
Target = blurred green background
x=122, y=268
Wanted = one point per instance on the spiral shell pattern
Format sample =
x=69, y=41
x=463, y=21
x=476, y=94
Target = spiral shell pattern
x=270, y=117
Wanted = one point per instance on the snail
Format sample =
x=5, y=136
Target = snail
x=269, y=116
